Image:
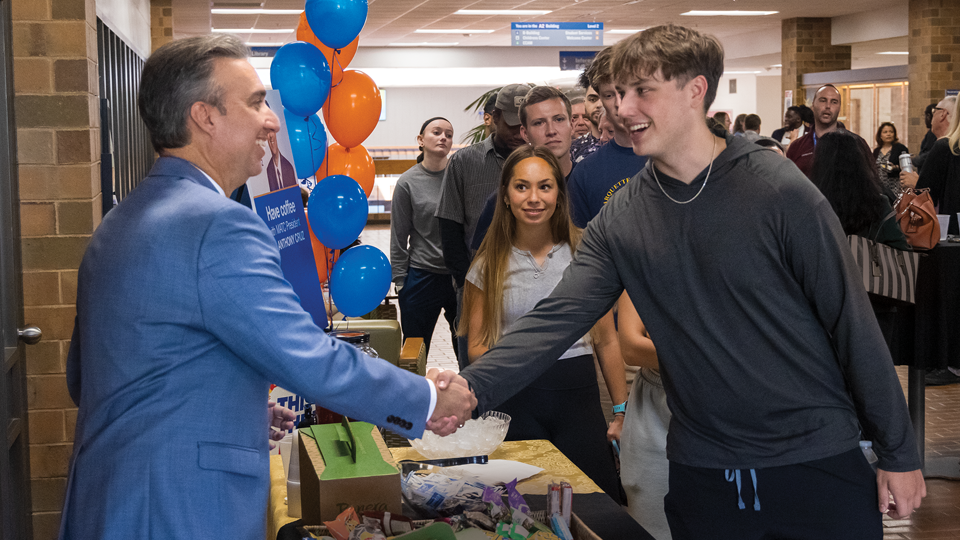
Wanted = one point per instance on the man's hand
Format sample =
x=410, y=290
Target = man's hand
x=455, y=402
x=909, y=179
x=616, y=427
x=281, y=418
x=907, y=489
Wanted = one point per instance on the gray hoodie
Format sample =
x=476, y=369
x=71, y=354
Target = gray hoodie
x=769, y=350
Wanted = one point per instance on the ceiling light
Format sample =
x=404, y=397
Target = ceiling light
x=731, y=13
x=450, y=31
x=255, y=11
x=625, y=31
x=254, y=30
x=902, y=53
x=424, y=44
x=740, y=72
x=777, y=66
x=502, y=12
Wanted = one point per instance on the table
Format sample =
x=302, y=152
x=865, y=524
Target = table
x=927, y=336
x=598, y=511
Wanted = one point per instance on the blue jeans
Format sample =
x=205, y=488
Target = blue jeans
x=423, y=295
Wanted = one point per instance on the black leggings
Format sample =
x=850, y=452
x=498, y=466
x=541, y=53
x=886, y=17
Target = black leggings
x=563, y=407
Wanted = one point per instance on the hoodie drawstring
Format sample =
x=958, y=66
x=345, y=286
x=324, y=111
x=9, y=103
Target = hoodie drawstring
x=734, y=475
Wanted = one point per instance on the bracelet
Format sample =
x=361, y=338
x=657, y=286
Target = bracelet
x=621, y=414
x=621, y=408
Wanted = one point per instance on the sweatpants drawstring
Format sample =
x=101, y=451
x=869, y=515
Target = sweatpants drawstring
x=734, y=475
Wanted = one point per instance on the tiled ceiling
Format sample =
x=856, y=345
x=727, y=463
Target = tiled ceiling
x=394, y=21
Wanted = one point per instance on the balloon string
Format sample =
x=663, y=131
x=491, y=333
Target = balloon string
x=336, y=57
x=330, y=292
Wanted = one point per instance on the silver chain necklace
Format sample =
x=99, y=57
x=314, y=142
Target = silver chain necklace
x=709, y=169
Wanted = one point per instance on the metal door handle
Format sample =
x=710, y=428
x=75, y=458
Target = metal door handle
x=30, y=335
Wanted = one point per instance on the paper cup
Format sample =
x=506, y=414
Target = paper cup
x=286, y=445
x=944, y=224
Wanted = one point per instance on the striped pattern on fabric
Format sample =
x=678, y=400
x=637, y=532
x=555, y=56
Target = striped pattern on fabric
x=886, y=271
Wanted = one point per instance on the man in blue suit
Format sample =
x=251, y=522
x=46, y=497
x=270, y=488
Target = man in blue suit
x=184, y=319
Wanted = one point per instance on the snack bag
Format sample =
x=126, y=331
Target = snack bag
x=515, y=499
x=345, y=523
x=495, y=508
x=512, y=531
x=368, y=530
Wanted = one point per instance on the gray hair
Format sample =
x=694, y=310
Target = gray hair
x=176, y=76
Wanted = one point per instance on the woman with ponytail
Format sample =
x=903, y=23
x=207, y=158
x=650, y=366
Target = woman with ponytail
x=423, y=283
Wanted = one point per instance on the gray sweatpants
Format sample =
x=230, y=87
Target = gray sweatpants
x=644, y=469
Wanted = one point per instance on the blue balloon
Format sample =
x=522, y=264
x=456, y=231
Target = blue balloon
x=336, y=23
x=360, y=280
x=301, y=74
x=308, y=140
x=338, y=210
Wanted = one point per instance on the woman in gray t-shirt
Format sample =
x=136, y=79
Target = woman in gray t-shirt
x=423, y=283
x=523, y=255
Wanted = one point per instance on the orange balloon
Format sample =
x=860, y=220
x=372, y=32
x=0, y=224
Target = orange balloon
x=338, y=60
x=353, y=162
x=353, y=108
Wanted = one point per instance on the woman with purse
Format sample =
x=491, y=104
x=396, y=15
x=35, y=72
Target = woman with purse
x=847, y=176
x=529, y=244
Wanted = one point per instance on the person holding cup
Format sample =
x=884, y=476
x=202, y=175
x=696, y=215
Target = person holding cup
x=941, y=173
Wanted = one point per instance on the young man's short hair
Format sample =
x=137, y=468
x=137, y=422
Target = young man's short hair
x=598, y=73
x=539, y=94
x=679, y=53
x=752, y=122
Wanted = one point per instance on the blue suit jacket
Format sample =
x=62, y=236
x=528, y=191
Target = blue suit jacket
x=183, y=320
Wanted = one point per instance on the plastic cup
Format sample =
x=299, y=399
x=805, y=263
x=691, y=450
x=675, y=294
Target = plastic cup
x=944, y=224
x=286, y=444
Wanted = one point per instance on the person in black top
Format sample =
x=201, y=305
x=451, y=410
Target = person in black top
x=887, y=156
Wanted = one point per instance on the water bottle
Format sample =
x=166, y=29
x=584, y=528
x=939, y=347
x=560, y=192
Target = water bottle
x=906, y=164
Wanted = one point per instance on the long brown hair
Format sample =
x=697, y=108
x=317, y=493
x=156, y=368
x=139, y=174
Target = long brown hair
x=494, y=252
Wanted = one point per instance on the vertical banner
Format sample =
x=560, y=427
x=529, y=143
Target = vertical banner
x=283, y=213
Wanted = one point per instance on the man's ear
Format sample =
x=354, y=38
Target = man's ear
x=523, y=133
x=201, y=116
x=697, y=90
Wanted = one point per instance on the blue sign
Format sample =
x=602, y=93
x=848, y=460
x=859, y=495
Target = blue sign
x=537, y=34
x=576, y=60
x=283, y=213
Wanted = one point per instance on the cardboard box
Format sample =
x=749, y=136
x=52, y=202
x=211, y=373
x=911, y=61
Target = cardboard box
x=344, y=465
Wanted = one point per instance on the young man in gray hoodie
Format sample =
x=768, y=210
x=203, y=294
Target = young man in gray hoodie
x=770, y=355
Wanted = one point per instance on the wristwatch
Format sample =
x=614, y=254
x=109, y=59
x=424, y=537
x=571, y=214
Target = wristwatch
x=621, y=408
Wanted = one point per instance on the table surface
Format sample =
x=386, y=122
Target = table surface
x=539, y=453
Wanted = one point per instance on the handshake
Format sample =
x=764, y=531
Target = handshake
x=455, y=402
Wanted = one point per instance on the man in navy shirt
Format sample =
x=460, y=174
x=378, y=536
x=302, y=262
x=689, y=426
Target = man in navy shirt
x=599, y=175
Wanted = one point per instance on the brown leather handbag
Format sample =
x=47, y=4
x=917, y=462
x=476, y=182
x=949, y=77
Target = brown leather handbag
x=918, y=218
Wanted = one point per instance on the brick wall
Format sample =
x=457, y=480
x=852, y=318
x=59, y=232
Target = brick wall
x=57, y=115
x=806, y=49
x=934, y=45
x=161, y=22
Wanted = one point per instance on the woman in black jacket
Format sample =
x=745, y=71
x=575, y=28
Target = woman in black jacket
x=887, y=156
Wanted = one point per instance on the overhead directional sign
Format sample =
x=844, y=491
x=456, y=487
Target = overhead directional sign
x=538, y=34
